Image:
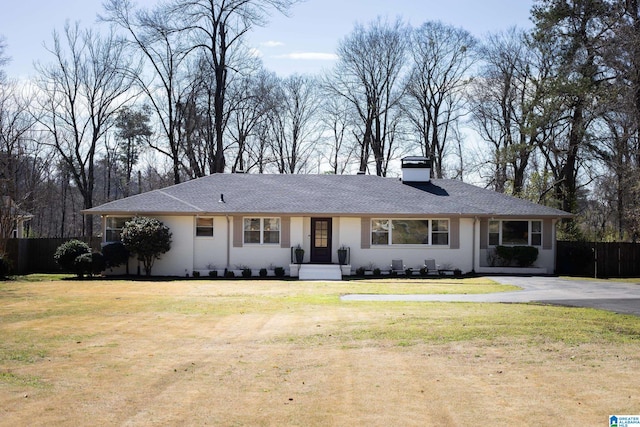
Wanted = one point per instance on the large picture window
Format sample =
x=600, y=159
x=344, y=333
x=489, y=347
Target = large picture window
x=409, y=232
x=515, y=233
x=114, y=226
x=262, y=230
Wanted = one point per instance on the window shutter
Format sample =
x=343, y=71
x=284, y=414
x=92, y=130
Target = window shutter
x=237, y=232
x=454, y=233
x=547, y=228
x=365, y=236
x=484, y=233
x=285, y=232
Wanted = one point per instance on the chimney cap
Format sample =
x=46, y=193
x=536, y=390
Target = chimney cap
x=416, y=162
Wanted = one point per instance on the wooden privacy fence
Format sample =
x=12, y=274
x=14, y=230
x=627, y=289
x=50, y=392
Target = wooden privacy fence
x=36, y=255
x=598, y=259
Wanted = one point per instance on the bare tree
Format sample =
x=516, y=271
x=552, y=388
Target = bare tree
x=154, y=35
x=367, y=75
x=441, y=57
x=4, y=60
x=618, y=139
x=251, y=97
x=337, y=122
x=217, y=28
x=505, y=105
x=294, y=123
x=18, y=163
x=81, y=92
x=16, y=140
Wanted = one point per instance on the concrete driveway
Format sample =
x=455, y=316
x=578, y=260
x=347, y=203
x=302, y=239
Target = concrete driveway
x=604, y=295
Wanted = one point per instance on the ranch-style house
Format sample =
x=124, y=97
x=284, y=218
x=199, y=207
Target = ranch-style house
x=233, y=221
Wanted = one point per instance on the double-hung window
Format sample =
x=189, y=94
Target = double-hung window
x=262, y=231
x=515, y=233
x=204, y=227
x=113, y=228
x=409, y=232
x=380, y=232
x=440, y=232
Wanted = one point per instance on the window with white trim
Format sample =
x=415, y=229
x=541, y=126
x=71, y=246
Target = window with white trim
x=204, y=226
x=536, y=233
x=515, y=233
x=113, y=227
x=409, y=232
x=262, y=231
x=379, y=231
x=440, y=232
x=494, y=233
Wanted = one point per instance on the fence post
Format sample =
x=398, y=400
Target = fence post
x=595, y=260
x=619, y=260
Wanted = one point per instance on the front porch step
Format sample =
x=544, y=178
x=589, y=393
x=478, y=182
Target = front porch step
x=320, y=272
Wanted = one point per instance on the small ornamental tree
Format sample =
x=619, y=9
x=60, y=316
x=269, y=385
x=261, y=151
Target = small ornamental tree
x=148, y=238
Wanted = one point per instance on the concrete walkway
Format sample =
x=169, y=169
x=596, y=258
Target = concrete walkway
x=604, y=295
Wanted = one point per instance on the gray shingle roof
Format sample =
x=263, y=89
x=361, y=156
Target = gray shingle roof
x=323, y=195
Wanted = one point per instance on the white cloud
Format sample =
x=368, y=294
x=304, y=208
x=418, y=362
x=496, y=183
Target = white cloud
x=271, y=43
x=313, y=56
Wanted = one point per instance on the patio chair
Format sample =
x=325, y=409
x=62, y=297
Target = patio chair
x=397, y=266
x=432, y=267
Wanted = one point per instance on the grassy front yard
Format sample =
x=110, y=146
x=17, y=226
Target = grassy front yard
x=202, y=352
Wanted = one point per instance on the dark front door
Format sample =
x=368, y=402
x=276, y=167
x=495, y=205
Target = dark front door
x=321, y=240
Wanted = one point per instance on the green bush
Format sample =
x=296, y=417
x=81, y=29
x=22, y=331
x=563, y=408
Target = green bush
x=505, y=255
x=525, y=256
x=213, y=273
x=246, y=272
x=263, y=272
x=67, y=253
x=89, y=264
x=115, y=254
x=5, y=268
x=279, y=271
x=522, y=256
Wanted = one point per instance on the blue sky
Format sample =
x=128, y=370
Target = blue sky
x=287, y=45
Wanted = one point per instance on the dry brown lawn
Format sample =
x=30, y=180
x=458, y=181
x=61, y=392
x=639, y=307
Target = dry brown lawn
x=251, y=353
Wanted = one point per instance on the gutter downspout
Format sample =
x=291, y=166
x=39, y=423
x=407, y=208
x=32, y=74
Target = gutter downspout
x=473, y=247
x=228, y=241
x=554, y=244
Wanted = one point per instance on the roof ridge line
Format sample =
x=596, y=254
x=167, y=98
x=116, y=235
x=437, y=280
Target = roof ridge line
x=180, y=200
